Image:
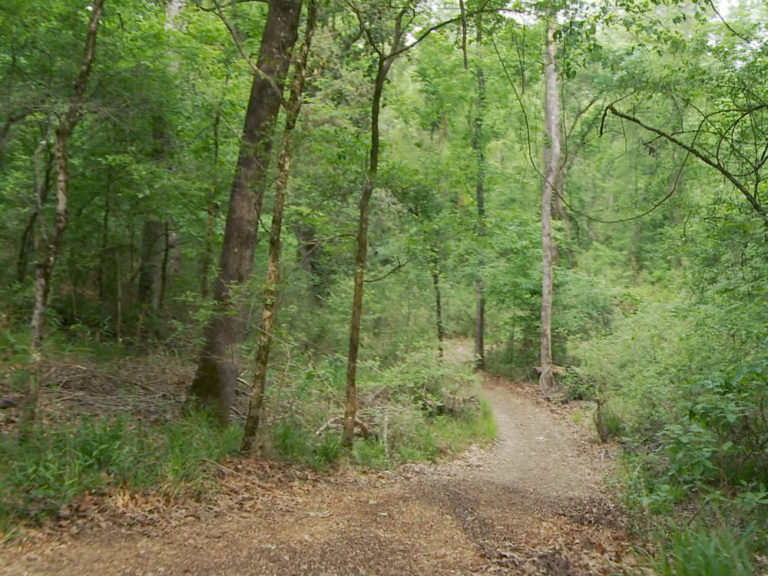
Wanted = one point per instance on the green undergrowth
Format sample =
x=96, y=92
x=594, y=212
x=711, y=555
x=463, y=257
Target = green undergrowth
x=416, y=410
x=685, y=386
x=46, y=467
x=705, y=551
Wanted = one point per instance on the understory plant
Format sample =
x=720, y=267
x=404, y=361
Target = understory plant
x=416, y=409
x=44, y=468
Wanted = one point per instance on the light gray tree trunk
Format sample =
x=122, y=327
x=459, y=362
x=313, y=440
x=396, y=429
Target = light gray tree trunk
x=478, y=146
x=552, y=162
x=46, y=257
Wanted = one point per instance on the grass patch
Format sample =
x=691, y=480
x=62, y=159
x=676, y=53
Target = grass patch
x=455, y=433
x=702, y=551
x=48, y=466
x=294, y=442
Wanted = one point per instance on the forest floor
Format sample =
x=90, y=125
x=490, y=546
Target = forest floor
x=534, y=502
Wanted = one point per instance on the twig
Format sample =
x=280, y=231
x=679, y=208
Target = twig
x=228, y=470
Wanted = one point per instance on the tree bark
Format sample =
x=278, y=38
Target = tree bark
x=438, y=304
x=385, y=60
x=207, y=255
x=42, y=187
x=273, y=262
x=46, y=258
x=478, y=146
x=309, y=251
x=151, y=267
x=552, y=162
x=218, y=363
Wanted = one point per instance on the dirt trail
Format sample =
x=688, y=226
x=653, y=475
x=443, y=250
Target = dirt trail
x=533, y=503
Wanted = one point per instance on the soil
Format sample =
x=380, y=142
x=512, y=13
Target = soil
x=534, y=502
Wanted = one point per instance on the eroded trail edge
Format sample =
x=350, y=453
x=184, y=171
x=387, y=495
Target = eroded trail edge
x=534, y=502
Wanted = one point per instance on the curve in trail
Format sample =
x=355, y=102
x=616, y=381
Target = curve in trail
x=533, y=503
x=537, y=502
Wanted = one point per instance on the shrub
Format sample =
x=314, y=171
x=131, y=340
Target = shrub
x=702, y=551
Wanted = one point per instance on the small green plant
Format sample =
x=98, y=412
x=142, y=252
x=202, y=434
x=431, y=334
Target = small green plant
x=608, y=423
x=292, y=441
x=371, y=454
x=700, y=551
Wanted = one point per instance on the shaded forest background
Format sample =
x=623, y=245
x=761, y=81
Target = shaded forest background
x=659, y=226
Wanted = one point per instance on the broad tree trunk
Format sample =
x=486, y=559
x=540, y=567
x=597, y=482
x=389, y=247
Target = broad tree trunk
x=218, y=363
x=309, y=251
x=552, y=162
x=151, y=267
x=478, y=146
x=273, y=262
x=51, y=239
x=172, y=12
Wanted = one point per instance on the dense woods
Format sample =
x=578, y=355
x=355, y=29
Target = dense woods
x=300, y=203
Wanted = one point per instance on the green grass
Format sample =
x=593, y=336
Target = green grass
x=293, y=442
x=455, y=433
x=702, y=551
x=47, y=467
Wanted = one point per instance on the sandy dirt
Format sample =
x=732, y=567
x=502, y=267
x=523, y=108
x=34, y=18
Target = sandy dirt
x=534, y=502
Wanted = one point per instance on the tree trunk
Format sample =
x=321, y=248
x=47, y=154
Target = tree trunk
x=46, y=257
x=438, y=304
x=309, y=251
x=273, y=261
x=151, y=267
x=562, y=214
x=552, y=161
x=384, y=64
x=104, y=251
x=218, y=363
x=42, y=186
x=171, y=260
x=478, y=146
x=172, y=11
x=207, y=256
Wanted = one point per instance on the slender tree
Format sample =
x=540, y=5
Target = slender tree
x=385, y=57
x=218, y=363
x=551, y=170
x=273, y=263
x=51, y=239
x=478, y=147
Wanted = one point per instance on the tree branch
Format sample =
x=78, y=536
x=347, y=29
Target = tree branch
x=753, y=200
x=389, y=273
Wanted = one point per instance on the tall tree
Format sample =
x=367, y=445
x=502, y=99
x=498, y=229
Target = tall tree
x=478, y=146
x=51, y=239
x=273, y=262
x=551, y=171
x=218, y=363
x=386, y=49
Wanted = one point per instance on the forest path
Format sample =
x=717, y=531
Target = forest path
x=535, y=502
